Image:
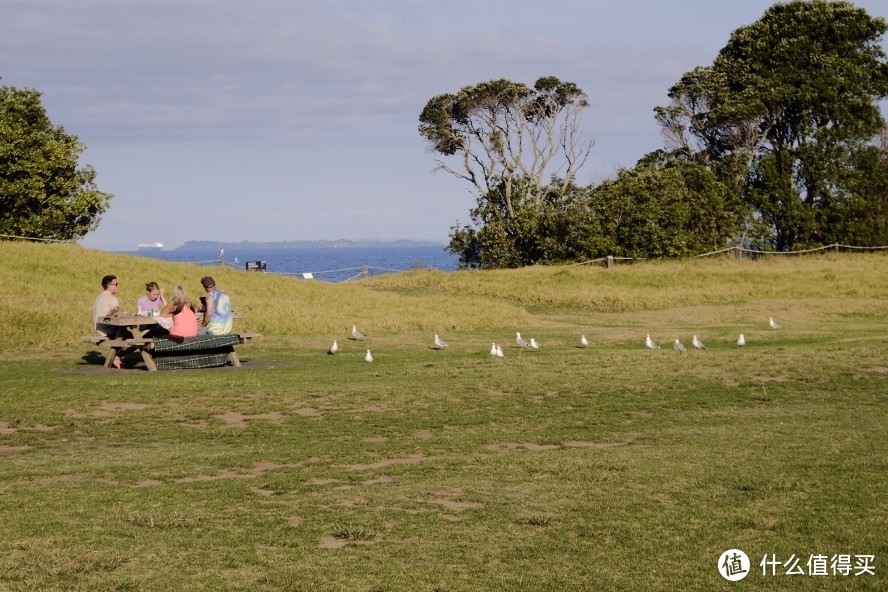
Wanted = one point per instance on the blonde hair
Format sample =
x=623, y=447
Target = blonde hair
x=179, y=300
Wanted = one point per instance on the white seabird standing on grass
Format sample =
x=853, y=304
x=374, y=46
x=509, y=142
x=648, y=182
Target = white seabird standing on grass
x=741, y=340
x=357, y=335
x=583, y=341
x=439, y=343
x=493, y=349
x=333, y=348
x=650, y=342
x=499, y=352
x=697, y=343
x=520, y=340
x=678, y=346
x=774, y=324
x=368, y=357
x=533, y=344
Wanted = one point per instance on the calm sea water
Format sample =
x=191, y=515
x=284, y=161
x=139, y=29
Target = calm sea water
x=327, y=264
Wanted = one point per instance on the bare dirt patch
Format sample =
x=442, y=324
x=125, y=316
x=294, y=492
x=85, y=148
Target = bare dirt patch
x=779, y=378
x=110, y=409
x=372, y=439
x=239, y=420
x=12, y=449
x=377, y=480
x=877, y=369
x=454, y=506
x=258, y=470
x=581, y=444
x=321, y=481
x=516, y=445
x=308, y=412
x=60, y=479
x=424, y=435
x=407, y=460
x=148, y=483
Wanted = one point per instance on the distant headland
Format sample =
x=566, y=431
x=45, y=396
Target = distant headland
x=203, y=245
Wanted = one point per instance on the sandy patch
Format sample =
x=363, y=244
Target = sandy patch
x=308, y=412
x=424, y=435
x=877, y=369
x=295, y=520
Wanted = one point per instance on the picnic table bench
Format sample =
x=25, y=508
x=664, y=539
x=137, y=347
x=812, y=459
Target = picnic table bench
x=167, y=353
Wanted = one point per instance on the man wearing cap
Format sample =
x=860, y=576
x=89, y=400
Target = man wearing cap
x=217, y=318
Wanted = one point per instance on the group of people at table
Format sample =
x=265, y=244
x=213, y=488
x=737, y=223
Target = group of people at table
x=176, y=318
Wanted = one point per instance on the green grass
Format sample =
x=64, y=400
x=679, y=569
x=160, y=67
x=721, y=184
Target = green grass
x=609, y=467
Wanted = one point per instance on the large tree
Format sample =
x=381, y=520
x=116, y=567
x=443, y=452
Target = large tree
x=518, y=146
x=784, y=112
x=43, y=193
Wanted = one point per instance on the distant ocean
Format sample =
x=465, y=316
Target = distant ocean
x=326, y=264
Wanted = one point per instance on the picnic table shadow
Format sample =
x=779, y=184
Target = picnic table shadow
x=95, y=360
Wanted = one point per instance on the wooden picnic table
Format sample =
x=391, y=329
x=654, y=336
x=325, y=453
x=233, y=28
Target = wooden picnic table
x=134, y=325
x=137, y=326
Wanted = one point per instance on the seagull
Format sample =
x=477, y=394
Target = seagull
x=438, y=343
x=650, y=342
x=493, y=349
x=583, y=341
x=357, y=335
x=499, y=352
x=533, y=344
x=697, y=343
x=520, y=340
x=774, y=324
x=333, y=348
x=369, y=357
x=677, y=345
x=741, y=340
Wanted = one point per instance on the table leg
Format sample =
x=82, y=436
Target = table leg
x=148, y=358
x=109, y=357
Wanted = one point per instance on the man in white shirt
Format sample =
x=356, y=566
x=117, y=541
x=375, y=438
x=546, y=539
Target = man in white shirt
x=106, y=304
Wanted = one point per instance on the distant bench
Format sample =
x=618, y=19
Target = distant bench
x=166, y=353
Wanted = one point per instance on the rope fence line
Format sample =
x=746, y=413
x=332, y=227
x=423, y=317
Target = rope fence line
x=610, y=259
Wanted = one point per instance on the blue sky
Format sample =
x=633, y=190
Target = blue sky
x=269, y=120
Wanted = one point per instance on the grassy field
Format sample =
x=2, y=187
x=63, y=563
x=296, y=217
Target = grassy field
x=611, y=467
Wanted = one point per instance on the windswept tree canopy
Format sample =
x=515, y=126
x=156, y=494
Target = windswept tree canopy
x=782, y=111
x=43, y=193
x=509, y=137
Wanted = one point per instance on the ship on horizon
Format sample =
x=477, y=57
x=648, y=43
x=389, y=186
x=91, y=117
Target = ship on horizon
x=149, y=246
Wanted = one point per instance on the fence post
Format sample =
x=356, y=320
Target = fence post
x=610, y=261
x=222, y=258
x=365, y=271
x=836, y=247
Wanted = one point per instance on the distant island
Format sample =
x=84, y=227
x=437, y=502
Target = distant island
x=202, y=245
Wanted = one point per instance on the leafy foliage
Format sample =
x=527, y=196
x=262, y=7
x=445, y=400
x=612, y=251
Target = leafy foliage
x=43, y=193
x=785, y=115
